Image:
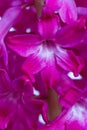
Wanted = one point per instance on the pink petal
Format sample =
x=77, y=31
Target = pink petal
x=68, y=11
x=24, y=45
x=82, y=11
x=75, y=35
x=38, y=83
x=47, y=24
x=5, y=82
x=51, y=74
x=68, y=92
x=3, y=55
x=33, y=65
x=68, y=61
x=70, y=97
x=9, y=3
x=53, y=5
x=6, y=22
x=6, y=112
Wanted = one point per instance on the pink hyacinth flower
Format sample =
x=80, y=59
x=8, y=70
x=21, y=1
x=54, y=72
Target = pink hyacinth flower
x=45, y=51
x=66, y=8
x=19, y=108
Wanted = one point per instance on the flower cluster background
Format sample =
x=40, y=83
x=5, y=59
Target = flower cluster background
x=43, y=64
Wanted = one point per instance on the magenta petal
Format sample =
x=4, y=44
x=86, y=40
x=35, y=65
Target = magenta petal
x=47, y=24
x=82, y=11
x=9, y=18
x=78, y=116
x=5, y=82
x=70, y=97
x=33, y=64
x=68, y=93
x=9, y=3
x=75, y=124
x=75, y=35
x=24, y=45
x=68, y=11
x=38, y=83
x=3, y=55
x=24, y=109
x=68, y=61
x=36, y=106
x=53, y=5
x=6, y=22
x=40, y=104
x=51, y=74
x=6, y=112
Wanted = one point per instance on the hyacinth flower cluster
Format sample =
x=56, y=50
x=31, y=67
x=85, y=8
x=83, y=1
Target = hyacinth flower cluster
x=43, y=65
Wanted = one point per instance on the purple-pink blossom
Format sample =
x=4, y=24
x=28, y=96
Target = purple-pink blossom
x=43, y=65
